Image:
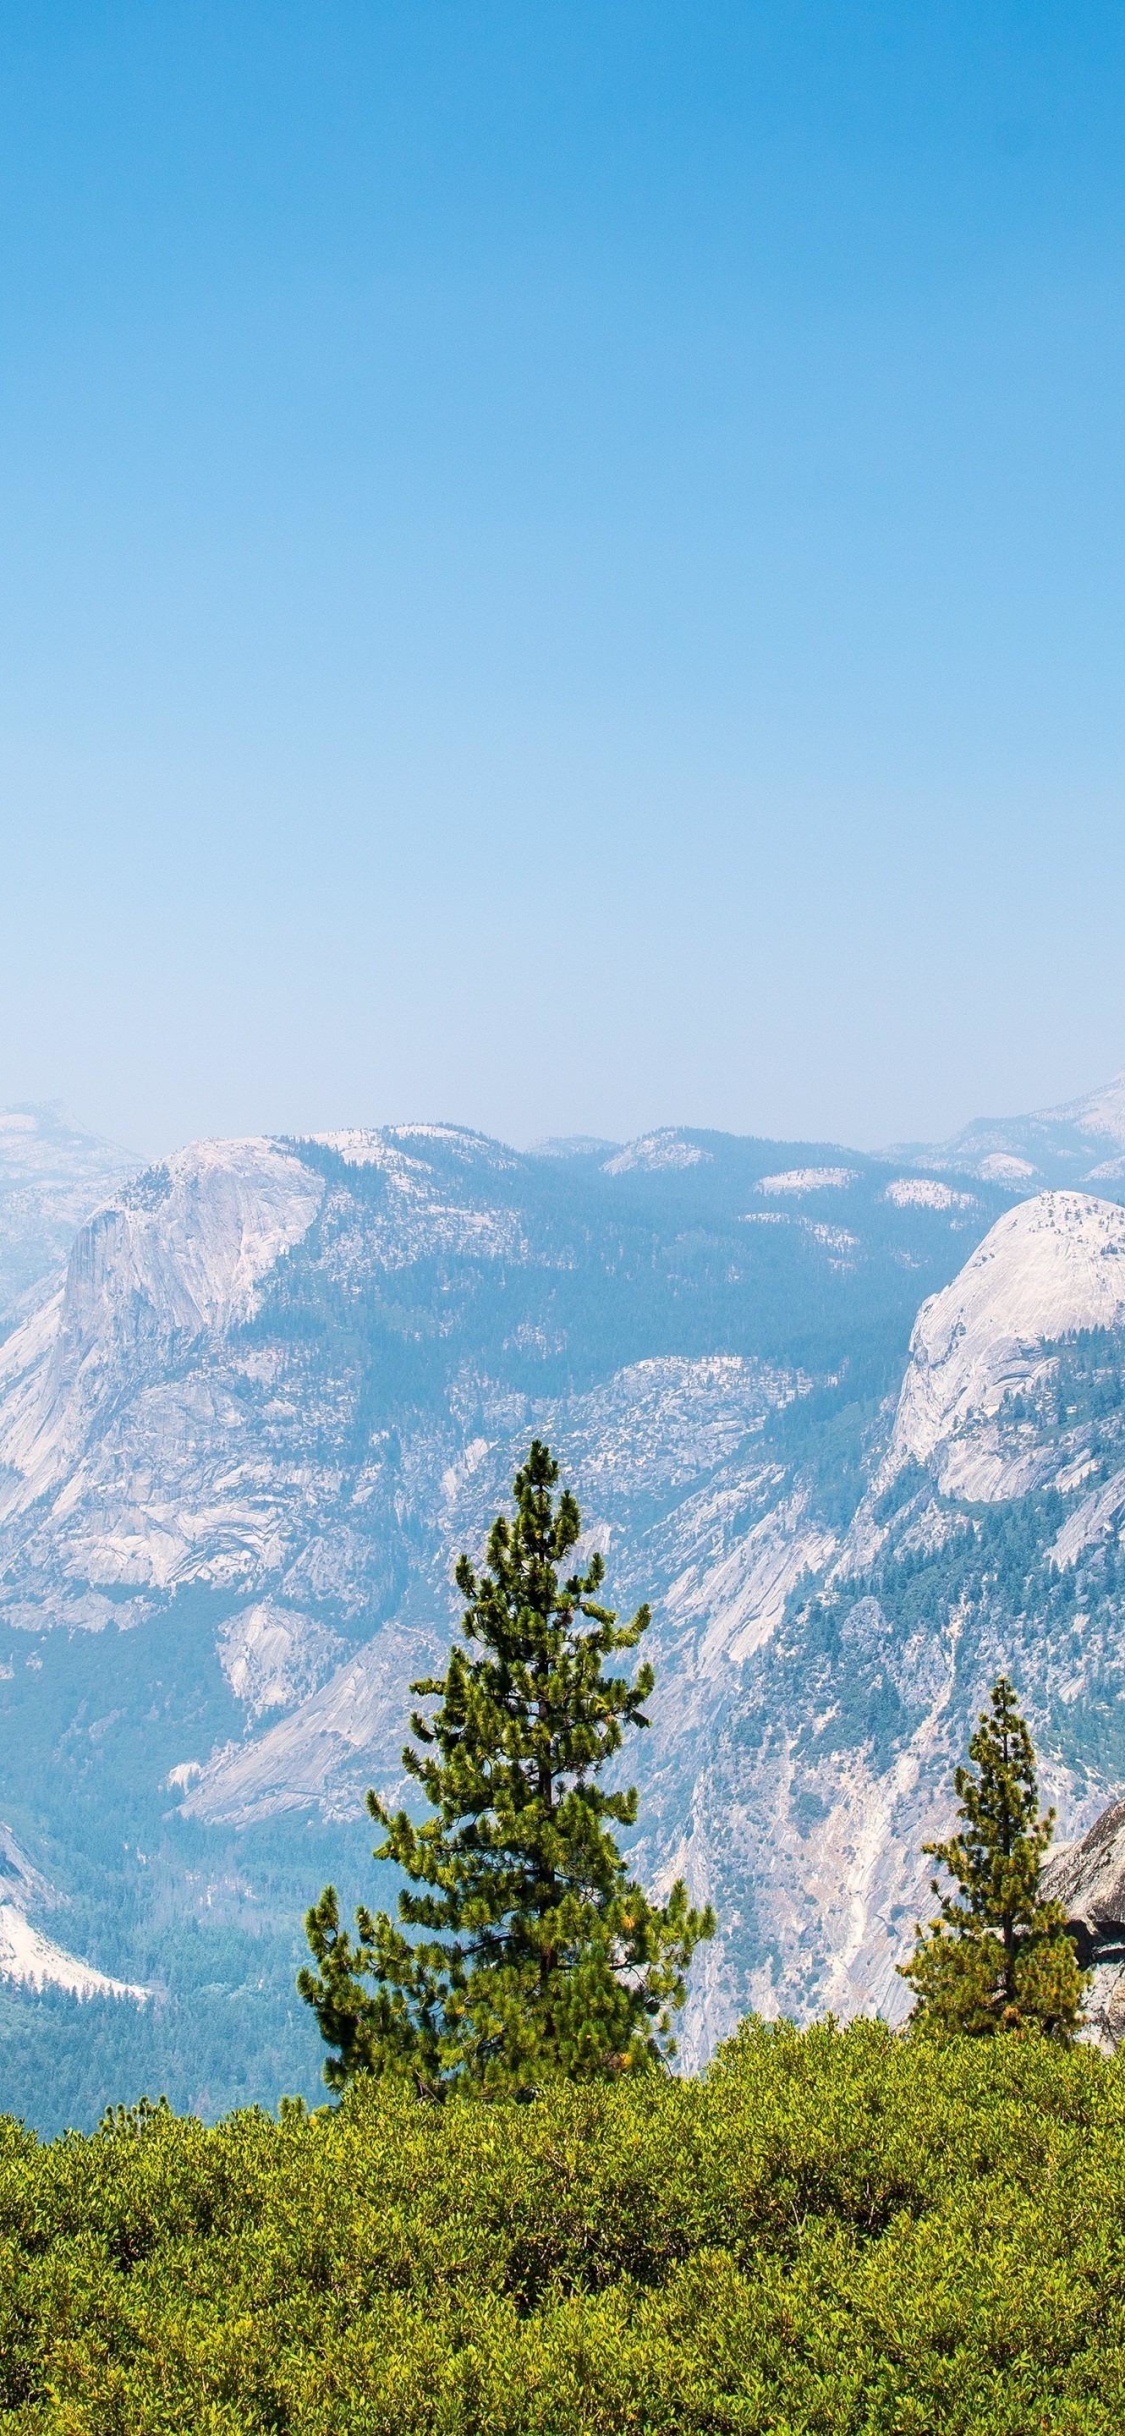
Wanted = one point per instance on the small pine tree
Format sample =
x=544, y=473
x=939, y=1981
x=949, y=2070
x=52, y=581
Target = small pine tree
x=540, y=1959
x=998, y=1958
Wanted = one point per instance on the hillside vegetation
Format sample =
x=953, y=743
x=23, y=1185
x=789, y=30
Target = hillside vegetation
x=833, y=2230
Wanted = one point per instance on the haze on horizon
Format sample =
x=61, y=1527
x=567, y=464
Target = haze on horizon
x=562, y=569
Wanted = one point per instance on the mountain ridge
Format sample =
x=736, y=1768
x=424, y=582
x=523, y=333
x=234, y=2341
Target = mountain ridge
x=856, y=1430
x=1082, y=1141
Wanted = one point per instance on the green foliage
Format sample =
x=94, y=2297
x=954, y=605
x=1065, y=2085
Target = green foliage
x=544, y=1960
x=998, y=1958
x=794, y=2246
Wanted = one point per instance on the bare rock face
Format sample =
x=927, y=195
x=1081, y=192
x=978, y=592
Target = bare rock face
x=1053, y=1266
x=53, y=1174
x=1088, y=1879
x=27, y=1956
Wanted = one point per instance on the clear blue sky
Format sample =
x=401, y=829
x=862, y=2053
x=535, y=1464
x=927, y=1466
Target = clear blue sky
x=561, y=564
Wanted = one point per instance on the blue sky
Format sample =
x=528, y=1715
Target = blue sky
x=561, y=565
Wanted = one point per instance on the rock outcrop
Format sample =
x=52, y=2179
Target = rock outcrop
x=52, y=1175
x=1088, y=1879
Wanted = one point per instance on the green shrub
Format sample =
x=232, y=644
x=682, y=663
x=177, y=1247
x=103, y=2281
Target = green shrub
x=835, y=2230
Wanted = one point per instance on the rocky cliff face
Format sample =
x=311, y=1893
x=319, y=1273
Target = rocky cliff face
x=986, y=1538
x=52, y=1175
x=283, y=1385
x=1087, y=1877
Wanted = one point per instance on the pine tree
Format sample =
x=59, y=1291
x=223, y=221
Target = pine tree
x=539, y=1958
x=998, y=1958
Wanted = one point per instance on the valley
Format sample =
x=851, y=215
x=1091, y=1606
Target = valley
x=855, y=1425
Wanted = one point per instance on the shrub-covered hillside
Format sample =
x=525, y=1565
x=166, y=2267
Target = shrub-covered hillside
x=834, y=2230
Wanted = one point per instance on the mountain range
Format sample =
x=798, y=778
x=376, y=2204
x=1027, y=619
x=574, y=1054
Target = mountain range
x=1082, y=1142
x=855, y=1425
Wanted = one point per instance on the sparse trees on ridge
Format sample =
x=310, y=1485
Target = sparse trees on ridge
x=998, y=1958
x=538, y=1958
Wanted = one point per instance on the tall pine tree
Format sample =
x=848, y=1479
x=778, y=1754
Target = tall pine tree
x=535, y=1957
x=998, y=1958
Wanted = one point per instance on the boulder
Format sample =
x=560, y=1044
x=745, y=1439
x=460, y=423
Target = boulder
x=1088, y=1879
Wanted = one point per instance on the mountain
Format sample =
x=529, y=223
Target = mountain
x=986, y=1538
x=52, y=1175
x=284, y=1382
x=1082, y=1142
